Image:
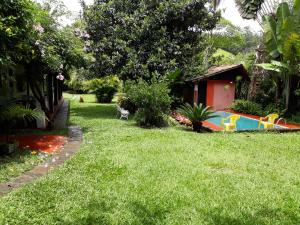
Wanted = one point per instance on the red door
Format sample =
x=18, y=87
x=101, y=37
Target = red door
x=220, y=94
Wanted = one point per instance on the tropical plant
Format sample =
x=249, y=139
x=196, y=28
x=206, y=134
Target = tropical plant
x=10, y=115
x=253, y=9
x=295, y=118
x=274, y=108
x=197, y=114
x=282, y=41
x=245, y=106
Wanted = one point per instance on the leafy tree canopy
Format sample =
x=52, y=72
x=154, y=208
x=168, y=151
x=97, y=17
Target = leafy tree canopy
x=234, y=39
x=145, y=38
x=32, y=38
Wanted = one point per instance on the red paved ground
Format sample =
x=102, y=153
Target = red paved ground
x=212, y=126
x=43, y=143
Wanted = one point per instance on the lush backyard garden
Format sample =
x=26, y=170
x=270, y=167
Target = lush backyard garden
x=124, y=174
x=140, y=77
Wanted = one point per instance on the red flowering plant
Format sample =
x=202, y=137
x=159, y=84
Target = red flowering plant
x=181, y=119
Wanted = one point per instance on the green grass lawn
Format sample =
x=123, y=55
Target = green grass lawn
x=127, y=175
x=23, y=160
x=17, y=163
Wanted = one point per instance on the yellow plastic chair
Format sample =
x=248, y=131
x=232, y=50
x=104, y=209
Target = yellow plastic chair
x=231, y=124
x=268, y=122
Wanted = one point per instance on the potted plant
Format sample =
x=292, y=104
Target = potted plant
x=10, y=115
x=197, y=114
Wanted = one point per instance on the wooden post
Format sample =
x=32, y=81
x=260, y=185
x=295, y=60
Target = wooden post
x=196, y=93
x=55, y=82
x=60, y=89
x=50, y=92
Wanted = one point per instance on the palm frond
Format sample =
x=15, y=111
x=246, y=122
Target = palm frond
x=19, y=112
x=196, y=113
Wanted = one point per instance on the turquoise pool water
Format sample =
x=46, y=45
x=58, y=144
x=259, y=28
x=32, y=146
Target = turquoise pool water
x=244, y=123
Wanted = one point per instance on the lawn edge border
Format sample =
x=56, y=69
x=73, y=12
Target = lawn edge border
x=75, y=138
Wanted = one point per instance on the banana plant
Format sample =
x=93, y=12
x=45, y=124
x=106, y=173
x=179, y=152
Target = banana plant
x=252, y=9
x=282, y=42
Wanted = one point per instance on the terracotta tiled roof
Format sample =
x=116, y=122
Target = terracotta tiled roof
x=215, y=70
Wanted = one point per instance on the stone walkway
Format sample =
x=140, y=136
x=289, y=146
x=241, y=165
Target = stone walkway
x=61, y=118
x=69, y=149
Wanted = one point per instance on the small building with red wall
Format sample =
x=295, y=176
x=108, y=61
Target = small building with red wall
x=217, y=87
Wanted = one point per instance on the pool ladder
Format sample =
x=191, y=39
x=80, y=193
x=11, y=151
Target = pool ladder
x=281, y=119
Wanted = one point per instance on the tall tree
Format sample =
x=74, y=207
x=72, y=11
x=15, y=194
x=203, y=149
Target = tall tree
x=30, y=37
x=233, y=38
x=136, y=39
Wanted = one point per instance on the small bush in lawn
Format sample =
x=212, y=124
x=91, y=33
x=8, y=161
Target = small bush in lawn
x=126, y=103
x=104, y=88
x=248, y=107
x=153, y=103
x=105, y=94
x=77, y=80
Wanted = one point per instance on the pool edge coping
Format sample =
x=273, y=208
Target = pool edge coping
x=216, y=128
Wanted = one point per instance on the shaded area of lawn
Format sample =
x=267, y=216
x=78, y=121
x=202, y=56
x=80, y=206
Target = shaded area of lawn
x=17, y=163
x=62, y=132
x=127, y=175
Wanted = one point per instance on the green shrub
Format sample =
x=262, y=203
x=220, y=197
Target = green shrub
x=196, y=114
x=104, y=88
x=153, y=103
x=125, y=103
x=248, y=107
x=77, y=80
x=266, y=92
x=92, y=85
x=105, y=94
x=75, y=84
x=273, y=108
x=295, y=118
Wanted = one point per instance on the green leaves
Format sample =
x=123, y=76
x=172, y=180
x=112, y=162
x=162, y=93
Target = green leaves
x=278, y=29
x=152, y=100
x=275, y=66
x=196, y=113
x=13, y=113
x=249, y=9
x=296, y=7
x=145, y=39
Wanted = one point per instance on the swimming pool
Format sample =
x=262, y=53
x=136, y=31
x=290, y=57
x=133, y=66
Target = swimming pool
x=244, y=123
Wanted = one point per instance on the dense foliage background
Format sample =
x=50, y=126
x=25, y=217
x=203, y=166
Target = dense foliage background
x=145, y=39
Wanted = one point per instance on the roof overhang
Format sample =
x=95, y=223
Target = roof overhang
x=225, y=72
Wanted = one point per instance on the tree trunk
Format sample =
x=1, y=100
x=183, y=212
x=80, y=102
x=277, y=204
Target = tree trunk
x=287, y=91
x=197, y=126
x=257, y=73
x=34, y=78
